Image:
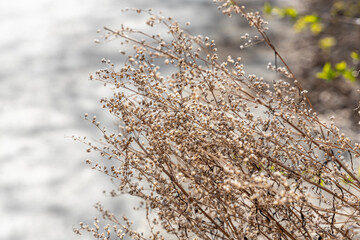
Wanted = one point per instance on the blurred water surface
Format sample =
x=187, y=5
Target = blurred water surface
x=47, y=52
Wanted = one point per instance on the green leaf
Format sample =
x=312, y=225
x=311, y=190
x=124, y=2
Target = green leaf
x=316, y=28
x=231, y=2
x=348, y=179
x=311, y=19
x=267, y=8
x=327, y=42
x=278, y=11
x=354, y=55
x=327, y=67
x=348, y=74
x=327, y=73
x=291, y=12
x=300, y=24
x=341, y=66
x=323, y=75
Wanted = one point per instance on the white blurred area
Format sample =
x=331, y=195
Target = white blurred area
x=46, y=54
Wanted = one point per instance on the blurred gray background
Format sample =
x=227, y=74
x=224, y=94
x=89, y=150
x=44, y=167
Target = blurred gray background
x=47, y=52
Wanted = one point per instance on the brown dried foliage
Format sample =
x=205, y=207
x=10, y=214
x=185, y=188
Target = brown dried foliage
x=216, y=153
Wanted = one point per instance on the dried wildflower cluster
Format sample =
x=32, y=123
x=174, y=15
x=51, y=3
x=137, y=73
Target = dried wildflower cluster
x=215, y=153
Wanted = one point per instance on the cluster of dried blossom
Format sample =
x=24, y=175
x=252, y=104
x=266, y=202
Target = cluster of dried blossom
x=218, y=154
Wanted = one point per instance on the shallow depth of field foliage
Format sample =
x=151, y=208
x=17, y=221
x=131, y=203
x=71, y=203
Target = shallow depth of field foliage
x=334, y=25
x=327, y=60
x=215, y=153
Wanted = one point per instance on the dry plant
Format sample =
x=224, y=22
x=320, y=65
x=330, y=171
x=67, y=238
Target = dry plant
x=214, y=153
